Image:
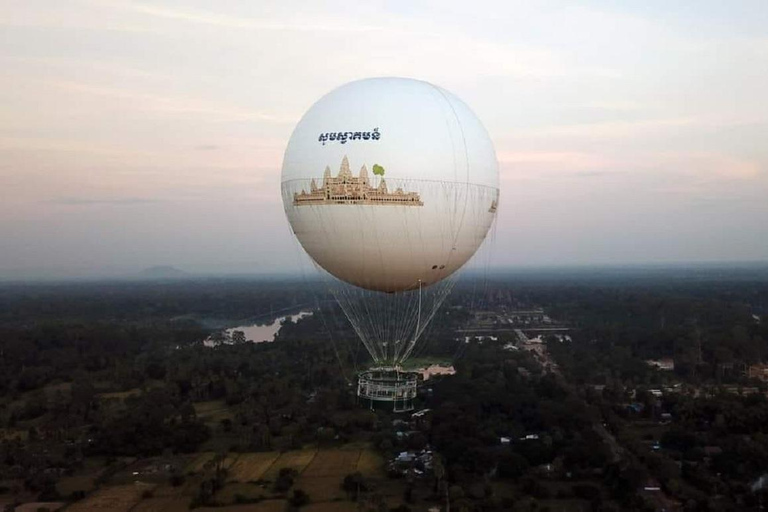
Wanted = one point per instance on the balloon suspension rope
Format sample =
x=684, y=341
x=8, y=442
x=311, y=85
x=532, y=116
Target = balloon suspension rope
x=418, y=319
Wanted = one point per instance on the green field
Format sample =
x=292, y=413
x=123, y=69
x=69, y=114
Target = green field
x=320, y=474
x=117, y=498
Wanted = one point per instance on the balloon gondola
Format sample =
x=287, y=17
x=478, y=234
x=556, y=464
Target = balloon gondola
x=390, y=185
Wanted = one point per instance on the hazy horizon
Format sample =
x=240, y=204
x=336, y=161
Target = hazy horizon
x=138, y=134
x=170, y=272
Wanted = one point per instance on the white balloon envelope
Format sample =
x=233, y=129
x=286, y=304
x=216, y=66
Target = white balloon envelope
x=390, y=185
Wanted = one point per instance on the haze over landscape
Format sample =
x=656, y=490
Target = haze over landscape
x=137, y=134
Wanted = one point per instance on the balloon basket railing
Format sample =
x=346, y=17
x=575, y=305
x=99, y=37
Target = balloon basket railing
x=387, y=388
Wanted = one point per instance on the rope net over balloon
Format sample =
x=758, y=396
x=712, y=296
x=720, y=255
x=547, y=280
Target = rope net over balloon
x=389, y=324
x=391, y=267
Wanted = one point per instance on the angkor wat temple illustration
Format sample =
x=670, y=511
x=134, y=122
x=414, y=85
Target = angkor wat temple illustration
x=348, y=189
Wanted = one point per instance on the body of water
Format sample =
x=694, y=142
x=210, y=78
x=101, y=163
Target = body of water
x=255, y=333
x=436, y=369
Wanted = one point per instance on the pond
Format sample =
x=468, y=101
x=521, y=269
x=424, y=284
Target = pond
x=436, y=369
x=254, y=333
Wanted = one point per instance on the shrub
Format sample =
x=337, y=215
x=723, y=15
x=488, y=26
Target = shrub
x=299, y=498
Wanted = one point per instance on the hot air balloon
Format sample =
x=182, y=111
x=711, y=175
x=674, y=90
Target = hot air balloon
x=390, y=185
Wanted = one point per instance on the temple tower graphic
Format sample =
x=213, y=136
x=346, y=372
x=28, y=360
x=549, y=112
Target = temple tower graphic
x=345, y=188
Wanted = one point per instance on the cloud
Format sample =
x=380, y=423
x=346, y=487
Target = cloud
x=704, y=169
x=432, y=46
x=39, y=144
x=569, y=159
x=593, y=174
x=72, y=15
x=79, y=66
x=81, y=201
x=213, y=111
x=238, y=22
x=612, y=129
x=543, y=165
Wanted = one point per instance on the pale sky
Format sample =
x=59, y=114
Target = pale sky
x=140, y=133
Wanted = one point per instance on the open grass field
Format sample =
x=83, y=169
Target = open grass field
x=263, y=506
x=51, y=390
x=197, y=464
x=334, y=462
x=250, y=467
x=298, y=460
x=321, y=473
x=321, y=488
x=202, y=461
x=188, y=489
x=271, y=506
x=572, y=505
x=118, y=498
x=10, y=434
x=212, y=412
x=230, y=460
x=69, y=484
x=51, y=506
x=166, y=504
x=251, y=491
x=323, y=476
x=645, y=430
x=120, y=395
x=84, y=479
x=370, y=463
x=332, y=506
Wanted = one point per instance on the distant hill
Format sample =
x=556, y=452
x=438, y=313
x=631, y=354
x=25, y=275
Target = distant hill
x=163, y=272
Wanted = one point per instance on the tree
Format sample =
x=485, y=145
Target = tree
x=299, y=498
x=285, y=479
x=438, y=469
x=512, y=465
x=354, y=484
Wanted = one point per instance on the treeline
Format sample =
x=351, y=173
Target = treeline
x=205, y=300
x=712, y=328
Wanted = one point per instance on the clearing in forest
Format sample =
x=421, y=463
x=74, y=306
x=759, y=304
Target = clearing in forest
x=321, y=488
x=205, y=461
x=250, y=467
x=198, y=464
x=370, y=463
x=166, y=504
x=118, y=498
x=71, y=484
x=262, y=506
x=231, y=491
x=332, y=506
x=213, y=411
x=337, y=462
x=35, y=506
x=324, y=475
x=120, y=395
x=297, y=460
